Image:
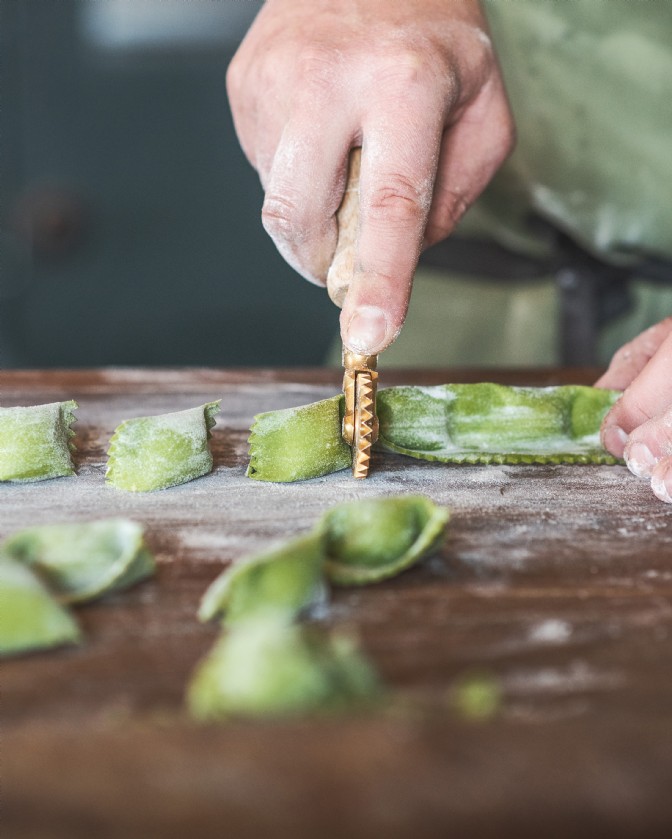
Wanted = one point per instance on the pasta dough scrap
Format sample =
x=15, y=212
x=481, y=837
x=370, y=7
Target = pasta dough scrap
x=79, y=562
x=149, y=453
x=266, y=667
x=36, y=442
x=30, y=619
x=463, y=423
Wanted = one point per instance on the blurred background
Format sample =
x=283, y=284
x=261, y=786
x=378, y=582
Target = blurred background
x=131, y=229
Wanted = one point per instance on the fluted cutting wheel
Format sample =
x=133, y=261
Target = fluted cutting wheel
x=364, y=424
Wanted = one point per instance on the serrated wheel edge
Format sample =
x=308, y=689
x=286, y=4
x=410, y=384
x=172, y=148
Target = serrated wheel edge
x=364, y=424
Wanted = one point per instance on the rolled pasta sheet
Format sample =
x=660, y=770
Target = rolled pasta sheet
x=30, y=619
x=80, y=562
x=491, y=423
x=36, y=442
x=149, y=453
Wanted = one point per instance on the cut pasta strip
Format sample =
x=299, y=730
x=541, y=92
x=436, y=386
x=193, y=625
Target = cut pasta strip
x=36, y=442
x=149, y=453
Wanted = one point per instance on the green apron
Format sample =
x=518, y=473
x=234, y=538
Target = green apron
x=590, y=84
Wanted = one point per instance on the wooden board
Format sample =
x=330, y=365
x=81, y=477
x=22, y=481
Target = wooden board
x=555, y=581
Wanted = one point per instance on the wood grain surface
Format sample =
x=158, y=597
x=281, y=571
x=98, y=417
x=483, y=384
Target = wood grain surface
x=555, y=581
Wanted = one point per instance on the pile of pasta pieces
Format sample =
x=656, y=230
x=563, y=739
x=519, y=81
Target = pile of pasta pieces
x=274, y=655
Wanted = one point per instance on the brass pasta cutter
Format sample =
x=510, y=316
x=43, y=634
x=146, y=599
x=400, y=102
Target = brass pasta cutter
x=360, y=423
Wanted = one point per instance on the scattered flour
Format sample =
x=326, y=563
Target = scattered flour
x=577, y=677
x=552, y=631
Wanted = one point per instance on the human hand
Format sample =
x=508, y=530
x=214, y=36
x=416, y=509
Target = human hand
x=639, y=426
x=417, y=85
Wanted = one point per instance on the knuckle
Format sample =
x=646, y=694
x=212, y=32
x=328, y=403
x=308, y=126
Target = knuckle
x=655, y=433
x=634, y=409
x=456, y=209
x=397, y=200
x=282, y=218
x=449, y=211
x=404, y=67
x=407, y=65
x=648, y=342
x=624, y=355
x=315, y=65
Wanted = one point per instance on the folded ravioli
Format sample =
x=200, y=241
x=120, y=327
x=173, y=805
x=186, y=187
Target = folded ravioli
x=287, y=579
x=376, y=538
x=30, y=619
x=36, y=442
x=82, y=561
x=149, y=453
x=266, y=667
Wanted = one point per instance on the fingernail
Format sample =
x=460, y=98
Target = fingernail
x=367, y=330
x=662, y=486
x=639, y=460
x=614, y=439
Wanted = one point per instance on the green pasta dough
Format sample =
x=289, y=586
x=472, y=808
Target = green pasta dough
x=265, y=664
x=79, y=562
x=371, y=540
x=287, y=579
x=463, y=423
x=267, y=667
x=36, y=442
x=490, y=423
x=299, y=443
x=30, y=619
x=150, y=453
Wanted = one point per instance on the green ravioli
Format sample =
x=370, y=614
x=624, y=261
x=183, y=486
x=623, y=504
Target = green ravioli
x=35, y=442
x=149, y=453
x=376, y=538
x=266, y=667
x=287, y=579
x=30, y=619
x=80, y=562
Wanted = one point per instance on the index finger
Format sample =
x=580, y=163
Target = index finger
x=399, y=162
